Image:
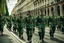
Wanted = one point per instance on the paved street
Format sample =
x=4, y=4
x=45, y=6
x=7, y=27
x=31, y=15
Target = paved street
x=59, y=37
x=10, y=37
x=5, y=39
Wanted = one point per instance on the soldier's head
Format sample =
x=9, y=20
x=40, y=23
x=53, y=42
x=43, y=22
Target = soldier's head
x=0, y=14
x=20, y=15
x=14, y=15
x=41, y=12
x=29, y=13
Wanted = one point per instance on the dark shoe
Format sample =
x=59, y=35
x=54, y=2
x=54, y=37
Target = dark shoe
x=51, y=38
x=22, y=38
x=62, y=32
x=30, y=41
x=1, y=33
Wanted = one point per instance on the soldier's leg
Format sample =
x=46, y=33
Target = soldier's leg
x=19, y=33
x=10, y=26
x=39, y=35
x=7, y=25
x=54, y=28
x=30, y=37
x=27, y=32
x=43, y=33
x=14, y=29
x=22, y=34
x=63, y=30
x=33, y=30
x=51, y=33
x=58, y=27
x=2, y=30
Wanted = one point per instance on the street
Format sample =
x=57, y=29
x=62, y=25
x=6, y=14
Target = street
x=10, y=37
x=59, y=37
x=19, y=17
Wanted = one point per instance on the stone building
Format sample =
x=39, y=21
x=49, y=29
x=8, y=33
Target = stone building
x=47, y=7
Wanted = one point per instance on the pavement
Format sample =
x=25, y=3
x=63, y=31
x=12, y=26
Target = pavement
x=10, y=37
x=58, y=36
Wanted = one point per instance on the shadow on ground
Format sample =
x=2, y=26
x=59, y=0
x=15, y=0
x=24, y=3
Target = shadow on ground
x=59, y=41
x=5, y=39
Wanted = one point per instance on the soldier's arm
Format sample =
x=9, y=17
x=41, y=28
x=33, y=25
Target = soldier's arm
x=36, y=21
x=4, y=20
x=25, y=21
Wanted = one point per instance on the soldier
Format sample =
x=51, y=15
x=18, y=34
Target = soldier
x=41, y=26
x=1, y=23
x=58, y=23
x=9, y=22
x=20, y=21
x=29, y=20
x=14, y=21
x=52, y=23
x=62, y=24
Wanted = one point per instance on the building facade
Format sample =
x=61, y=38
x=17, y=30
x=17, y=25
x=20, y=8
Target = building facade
x=47, y=7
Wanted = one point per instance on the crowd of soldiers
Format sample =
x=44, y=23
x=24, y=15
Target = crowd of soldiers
x=29, y=23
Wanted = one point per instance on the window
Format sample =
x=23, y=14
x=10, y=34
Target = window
x=58, y=10
x=63, y=8
x=45, y=11
x=48, y=11
x=52, y=10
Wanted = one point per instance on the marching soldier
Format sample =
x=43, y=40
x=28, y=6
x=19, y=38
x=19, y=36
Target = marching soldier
x=52, y=23
x=58, y=23
x=29, y=20
x=62, y=23
x=14, y=21
x=9, y=22
x=1, y=23
x=20, y=21
x=41, y=26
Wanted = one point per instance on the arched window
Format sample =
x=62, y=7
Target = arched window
x=45, y=11
x=52, y=10
x=48, y=11
x=63, y=8
x=58, y=10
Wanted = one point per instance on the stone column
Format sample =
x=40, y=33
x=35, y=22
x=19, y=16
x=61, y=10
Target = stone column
x=61, y=14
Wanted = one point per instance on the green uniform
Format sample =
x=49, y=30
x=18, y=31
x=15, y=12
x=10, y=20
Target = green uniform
x=52, y=23
x=2, y=22
x=30, y=25
x=41, y=26
x=15, y=26
x=9, y=22
x=20, y=21
x=58, y=23
x=62, y=24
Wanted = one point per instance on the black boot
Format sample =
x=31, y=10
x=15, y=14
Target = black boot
x=30, y=41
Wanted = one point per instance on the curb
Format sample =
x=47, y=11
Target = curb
x=16, y=37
